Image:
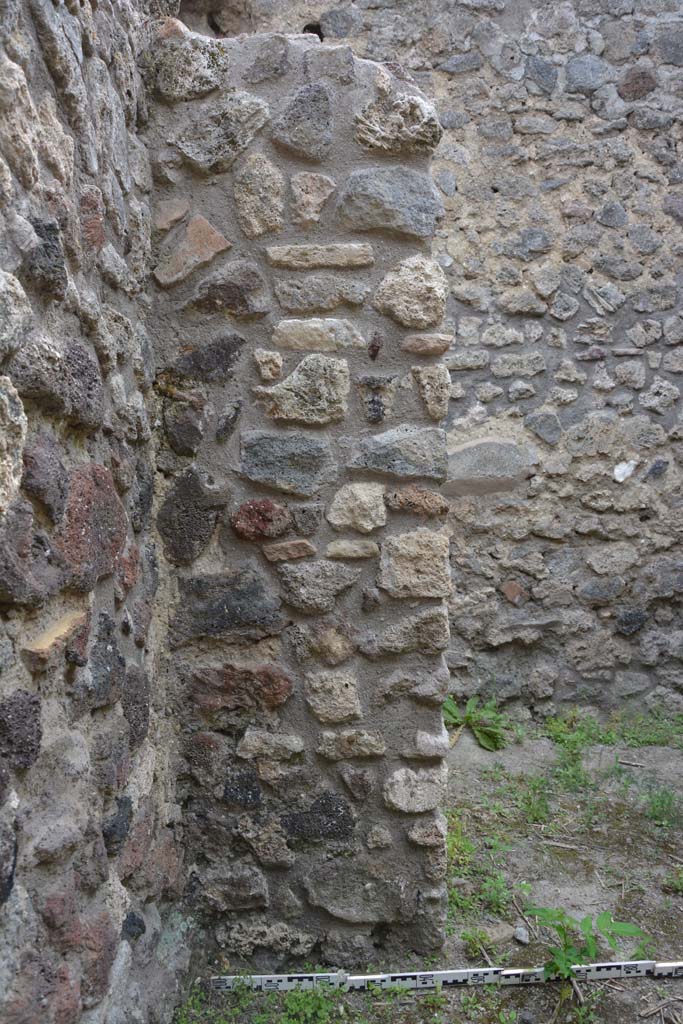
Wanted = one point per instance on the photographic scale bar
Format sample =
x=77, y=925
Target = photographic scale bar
x=444, y=979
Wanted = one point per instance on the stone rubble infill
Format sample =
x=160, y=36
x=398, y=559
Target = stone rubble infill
x=289, y=618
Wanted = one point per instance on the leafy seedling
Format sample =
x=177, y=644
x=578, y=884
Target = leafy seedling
x=489, y=727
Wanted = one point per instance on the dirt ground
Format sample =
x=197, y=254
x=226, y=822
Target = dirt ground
x=568, y=823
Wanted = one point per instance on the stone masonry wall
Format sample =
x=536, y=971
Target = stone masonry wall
x=297, y=333
x=561, y=173
x=89, y=863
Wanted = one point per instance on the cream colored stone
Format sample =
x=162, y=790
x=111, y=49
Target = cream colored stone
x=268, y=363
x=416, y=564
x=379, y=838
x=309, y=257
x=341, y=549
x=415, y=792
x=339, y=746
x=310, y=192
x=434, y=385
x=317, y=335
x=259, y=192
x=414, y=293
x=315, y=392
x=358, y=506
x=427, y=344
x=278, y=746
x=332, y=696
x=13, y=427
x=288, y=550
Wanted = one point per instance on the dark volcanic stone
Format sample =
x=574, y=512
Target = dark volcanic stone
x=21, y=731
x=8, y=860
x=115, y=829
x=101, y=682
x=30, y=569
x=188, y=517
x=393, y=199
x=271, y=60
x=45, y=477
x=293, y=463
x=213, y=363
x=239, y=606
x=240, y=687
x=260, y=518
x=44, y=265
x=636, y=83
x=133, y=926
x=305, y=126
x=228, y=421
x=238, y=288
x=630, y=620
x=93, y=531
x=70, y=386
x=184, y=427
x=328, y=817
x=135, y=701
x=542, y=72
x=243, y=789
x=545, y=425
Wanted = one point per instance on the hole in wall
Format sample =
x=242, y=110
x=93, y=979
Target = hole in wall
x=313, y=28
x=218, y=18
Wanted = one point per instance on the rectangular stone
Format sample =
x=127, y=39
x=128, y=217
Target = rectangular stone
x=307, y=257
x=317, y=335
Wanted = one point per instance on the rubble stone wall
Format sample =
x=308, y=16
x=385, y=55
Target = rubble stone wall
x=277, y=345
x=297, y=330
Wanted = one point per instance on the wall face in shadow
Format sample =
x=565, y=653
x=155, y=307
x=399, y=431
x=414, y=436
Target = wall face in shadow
x=297, y=331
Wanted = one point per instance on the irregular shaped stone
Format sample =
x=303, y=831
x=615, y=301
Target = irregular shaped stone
x=587, y=73
x=21, y=731
x=199, y=244
x=378, y=393
x=135, y=702
x=434, y=385
x=231, y=687
x=414, y=293
x=13, y=426
x=314, y=393
x=100, y=684
x=268, y=363
x=291, y=463
x=288, y=550
x=403, y=452
x=115, y=828
x=213, y=141
x=351, y=893
x=308, y=257
x=259, y=193
x=331, y=644
x=358, y=506
x=266, y=839
x=212, y=363
x=332, y=696
x=429, y=833
x=426, y=344
x=305, y=125
x=488, y=465
x=415, y=791
x=660, y=396
x=188, y=516
x=399, y=124
x=65, y=380
x=46, y=650
x=93, y=530
x=15, y=314
x=427, y=632
x=189, y=67
x=315, y=586
x=415, y=564
x=30, y=571
x=340, y=746
x=613, y=559
x=393, y=199
x=44, y=264
x=545, y=425
x=350, y=549
x=271, y=59
x=238, y=606
x=319, y=293
x=526, y=364
x=45, y=478
x=328, y=817
x=242, y=939
x=310, y=192
x=238, y=288
x=185, y=425
x=261, y=518
x=317, y=335
x=169, y=212
x=273, y=746
x=636, y=82
x=234, y=887
x=417, y=501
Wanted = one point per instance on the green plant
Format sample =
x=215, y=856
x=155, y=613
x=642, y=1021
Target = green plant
x=476, y=942
x=578, y=940
x=507, y=1017
x=489, y=726
x=494, y=893
x=662, y=807
x=311, y=1006
x=533, y=800
x=674, y=882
